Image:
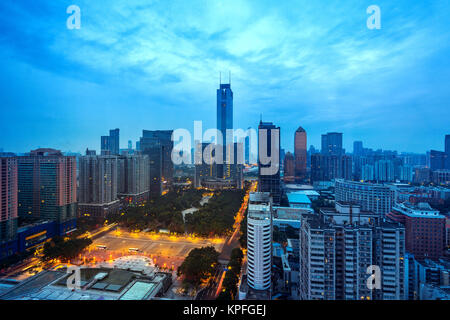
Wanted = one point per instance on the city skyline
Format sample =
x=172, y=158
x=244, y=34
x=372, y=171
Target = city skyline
x=114, y=73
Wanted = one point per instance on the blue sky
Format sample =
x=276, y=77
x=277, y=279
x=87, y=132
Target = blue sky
x=155, y=65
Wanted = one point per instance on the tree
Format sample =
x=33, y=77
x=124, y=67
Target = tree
x=199, y=265
x=64, y=249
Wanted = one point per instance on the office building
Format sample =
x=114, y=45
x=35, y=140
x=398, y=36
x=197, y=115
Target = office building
x=133, y=178
x=317, y=171
x=377, y=198
x=269, y=173
x=332, y=144
x=224, y=122
x=438, y=160
x=259, y=231
x=206, y=170
x=289, y=167
x=158, y=145
x=47, y=188
x=300, y=153
x=109, y=145
x=248, y=146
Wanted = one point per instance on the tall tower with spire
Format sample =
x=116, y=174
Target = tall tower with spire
x=224, y=120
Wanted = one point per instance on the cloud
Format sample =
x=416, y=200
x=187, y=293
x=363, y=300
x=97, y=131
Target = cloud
x=296, y=62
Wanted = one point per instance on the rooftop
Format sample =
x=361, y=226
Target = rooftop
x=421, y=210
x=298, y=197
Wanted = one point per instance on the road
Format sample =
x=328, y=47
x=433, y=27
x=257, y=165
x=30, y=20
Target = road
x=211, y=291
x=233, y=240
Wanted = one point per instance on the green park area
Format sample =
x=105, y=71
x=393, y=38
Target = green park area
x=216, y=217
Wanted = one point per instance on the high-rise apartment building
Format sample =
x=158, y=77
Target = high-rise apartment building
x=367, y=172
x=300, y=153
x=259, y=231
x=377, y=198
x=425, y=229
x=269, y=172
x=384, y=171
x=98, y=181
x=358, y=148
x=338, y=246
x=406, y=173
x=8, y=199
x=47, y=187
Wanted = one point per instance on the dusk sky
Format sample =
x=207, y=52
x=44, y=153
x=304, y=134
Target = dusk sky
x=153, y=65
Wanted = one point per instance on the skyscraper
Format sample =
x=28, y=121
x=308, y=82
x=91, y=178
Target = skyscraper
x=300, y=153
x=332, y=144
x=289, y=167
x=247, y=143
x=47, y=184
x=224, y=120
x=203, y=169
x=269, y=173
x=109, y=145
x=114, y=141
x=98, y=179
x=133, y=178
x=158, y=145
x=317, y=170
